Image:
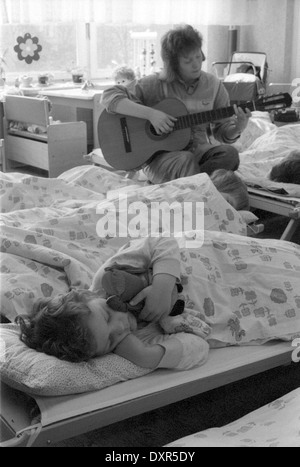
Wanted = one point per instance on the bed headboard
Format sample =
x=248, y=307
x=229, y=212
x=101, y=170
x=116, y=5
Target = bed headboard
x=27, y=109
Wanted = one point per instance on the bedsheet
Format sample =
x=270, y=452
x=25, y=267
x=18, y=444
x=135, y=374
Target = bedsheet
x=50, y=243
x=274, y=425
x=49, y=240
x=267, y=150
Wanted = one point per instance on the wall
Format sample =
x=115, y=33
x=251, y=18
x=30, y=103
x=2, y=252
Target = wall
x=295, y=65
x=272, y=27
x=272, y=30
x=215, y=44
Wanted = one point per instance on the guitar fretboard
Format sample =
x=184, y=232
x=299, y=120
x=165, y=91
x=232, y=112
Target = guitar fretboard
x=189, y=120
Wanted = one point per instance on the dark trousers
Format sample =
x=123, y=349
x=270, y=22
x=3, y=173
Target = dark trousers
x=169, y=166
x=219, y=157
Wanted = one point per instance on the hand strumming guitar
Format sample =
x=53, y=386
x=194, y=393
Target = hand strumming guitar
x=162, y=122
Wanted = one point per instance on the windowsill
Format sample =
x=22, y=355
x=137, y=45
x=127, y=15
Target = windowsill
x=97, y=85
x=60, y=81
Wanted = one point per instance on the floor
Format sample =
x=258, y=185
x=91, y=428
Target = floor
x=212, y=409
x=274, y=226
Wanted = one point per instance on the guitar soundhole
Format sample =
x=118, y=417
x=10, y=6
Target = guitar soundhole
x=153, y=131
x=153, y=134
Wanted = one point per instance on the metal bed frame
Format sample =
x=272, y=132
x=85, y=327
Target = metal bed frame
x=277, y=204
x=78, y=414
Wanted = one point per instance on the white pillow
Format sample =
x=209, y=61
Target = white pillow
x=39, y=374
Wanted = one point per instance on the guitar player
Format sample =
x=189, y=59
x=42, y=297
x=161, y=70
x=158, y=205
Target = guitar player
x=182, y=78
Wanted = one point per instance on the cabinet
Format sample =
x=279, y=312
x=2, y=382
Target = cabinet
x=59, y=148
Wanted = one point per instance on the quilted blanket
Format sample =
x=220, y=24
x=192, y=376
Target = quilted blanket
x=49, y=239
x=267, y=150
x=274, y=425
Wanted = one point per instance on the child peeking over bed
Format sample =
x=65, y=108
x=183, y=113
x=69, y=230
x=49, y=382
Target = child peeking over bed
x=232, y=188
x=125, y=76
x=237, y=291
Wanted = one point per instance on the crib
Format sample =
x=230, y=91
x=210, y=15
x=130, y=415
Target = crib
x=244, y=76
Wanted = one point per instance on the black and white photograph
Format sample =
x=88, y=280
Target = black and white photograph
x=150, y=226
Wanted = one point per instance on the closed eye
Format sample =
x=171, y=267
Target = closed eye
x=110, y=314
x=109, y=345
x=107, y=316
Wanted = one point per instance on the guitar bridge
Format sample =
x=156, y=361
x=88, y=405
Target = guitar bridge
x=125, y=134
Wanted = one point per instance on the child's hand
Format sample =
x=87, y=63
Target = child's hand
x=158, y=298
x=189, y=321
x=156, y=304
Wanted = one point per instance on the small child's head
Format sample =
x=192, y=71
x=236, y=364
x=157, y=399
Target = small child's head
x=232, y=188
x=75, y=327
x=124, y=75
x=288, y=170
x=245, y=68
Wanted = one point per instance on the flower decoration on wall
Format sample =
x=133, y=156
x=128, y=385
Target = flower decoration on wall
x=28, y=48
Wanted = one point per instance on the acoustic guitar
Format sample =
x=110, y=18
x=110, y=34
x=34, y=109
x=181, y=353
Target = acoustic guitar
x=129, y=142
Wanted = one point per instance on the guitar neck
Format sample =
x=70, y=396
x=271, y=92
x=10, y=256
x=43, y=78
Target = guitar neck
x=189, y=120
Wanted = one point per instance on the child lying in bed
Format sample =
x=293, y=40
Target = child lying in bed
x=288, y=170
x=80, y=325
x=246, y=291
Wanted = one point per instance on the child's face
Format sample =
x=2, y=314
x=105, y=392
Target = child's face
x=108, y=327
x=230, y=199
x=123, y=81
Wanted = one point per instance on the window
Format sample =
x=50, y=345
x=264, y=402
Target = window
x=96, y=35
x=59, y=48
x=90, y=35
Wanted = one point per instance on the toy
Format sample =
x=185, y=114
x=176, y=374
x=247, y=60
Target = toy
x=121, y=286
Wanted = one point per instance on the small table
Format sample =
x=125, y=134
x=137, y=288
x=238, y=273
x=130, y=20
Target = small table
x=80, y=99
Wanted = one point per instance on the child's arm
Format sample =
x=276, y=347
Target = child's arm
x=181, y=352
x=133, y=349
x=162, y=256
x=158, y=297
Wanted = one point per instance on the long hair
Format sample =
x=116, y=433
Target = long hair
x=178, y=42
x=229, y=182
x=56, y=327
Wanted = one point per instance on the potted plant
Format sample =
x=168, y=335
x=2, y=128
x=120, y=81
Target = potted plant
x=77, y=75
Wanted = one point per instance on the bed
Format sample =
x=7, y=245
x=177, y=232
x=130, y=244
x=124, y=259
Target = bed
x=43, y=421
x=244, y=76
x=49, y=243
x=261, y=146
x=275, y=425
